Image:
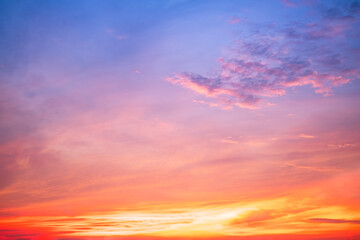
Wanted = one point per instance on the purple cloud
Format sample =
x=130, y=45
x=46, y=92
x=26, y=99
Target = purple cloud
x=288, y=3
x=270, y=60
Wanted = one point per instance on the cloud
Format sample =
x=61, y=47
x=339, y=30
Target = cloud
x=213, y=87
x=288, y=3
x=311, y=168
x=113, y=33
x=306, y=136
x=329, y=220
x=70, y=239
x=340, y=146
x=21, y=235
x=255, y=216
x=229, y=141
x=234, y=20
x=270, y=60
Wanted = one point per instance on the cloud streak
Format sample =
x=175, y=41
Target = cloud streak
x=329, y=220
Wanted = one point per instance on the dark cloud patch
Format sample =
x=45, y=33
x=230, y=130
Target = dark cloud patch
x=22, y=235
x=340, y=9
x=70, y=239
x=5, y=214
x=7, y=230
x=329, y=220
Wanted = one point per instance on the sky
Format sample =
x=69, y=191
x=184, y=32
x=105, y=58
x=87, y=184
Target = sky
x=179, y=119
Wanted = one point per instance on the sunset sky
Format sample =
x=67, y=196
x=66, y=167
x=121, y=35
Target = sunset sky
x=179, y=119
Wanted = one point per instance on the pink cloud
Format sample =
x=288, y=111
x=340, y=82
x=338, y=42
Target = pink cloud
x=306, y=136
x=234, y=20
x=244, y=83
x=271, y=61
x=288, y=3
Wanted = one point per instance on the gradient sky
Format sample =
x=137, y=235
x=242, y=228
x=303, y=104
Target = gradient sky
x=179, y=119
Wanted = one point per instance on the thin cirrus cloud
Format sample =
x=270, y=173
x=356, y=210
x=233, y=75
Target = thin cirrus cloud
x=288, y=3
x=306, y=136
x=267, y=63
x=329, y=220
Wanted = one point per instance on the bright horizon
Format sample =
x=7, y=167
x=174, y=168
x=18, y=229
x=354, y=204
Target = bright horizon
x=179, y=120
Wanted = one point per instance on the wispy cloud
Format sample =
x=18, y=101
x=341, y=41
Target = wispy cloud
x=306, y=136
x=115, y=35
x=231, y=141
x=234, y=20
x=288, y=3
x=330, y=220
